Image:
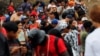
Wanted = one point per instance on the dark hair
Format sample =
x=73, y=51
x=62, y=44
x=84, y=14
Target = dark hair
x=55, y=32
x=63, y=15
x=37, y=2
x=10, y=26
x=18, y=22
x=87, y=24
x=34, y=5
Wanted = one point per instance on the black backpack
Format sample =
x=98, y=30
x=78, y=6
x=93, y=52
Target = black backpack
x=68, y=46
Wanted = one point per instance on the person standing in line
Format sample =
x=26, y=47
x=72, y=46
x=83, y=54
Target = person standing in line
x=92, y=47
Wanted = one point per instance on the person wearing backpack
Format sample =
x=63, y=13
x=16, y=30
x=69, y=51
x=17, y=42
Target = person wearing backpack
x=44, y=45
x=57, y=33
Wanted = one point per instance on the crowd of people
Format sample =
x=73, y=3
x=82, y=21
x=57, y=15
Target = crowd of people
x=60, y=28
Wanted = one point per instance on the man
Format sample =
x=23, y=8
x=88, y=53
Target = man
x=4, y=50
x=83, y=34
x=17, y=16
x=52, y=16
x=45, y=45
x=63, y=23
x=26, y=6
x=14, y=44
x=92, y=47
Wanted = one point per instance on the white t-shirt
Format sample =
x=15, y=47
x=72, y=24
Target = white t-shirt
x=92, y=47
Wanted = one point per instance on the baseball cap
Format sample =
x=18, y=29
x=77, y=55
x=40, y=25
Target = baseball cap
x=36, y=34
x=54, y=21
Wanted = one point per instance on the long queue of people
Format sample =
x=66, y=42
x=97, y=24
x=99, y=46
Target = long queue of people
x=59, y=28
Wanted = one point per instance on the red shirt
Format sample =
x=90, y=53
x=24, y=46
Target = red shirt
x=3, y=31
x=10, y=8
x=42, y=50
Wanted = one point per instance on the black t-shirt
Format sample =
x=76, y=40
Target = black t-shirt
x=4, y=49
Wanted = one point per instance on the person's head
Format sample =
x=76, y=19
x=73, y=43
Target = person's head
x=27, y=13
x=67, y=29
x=63, y=3
x=35, y=7
x=38, y=3
x=95, y=15
x=67, y=17
x=52, y=2
x=19, y=11
x=36, y=37
x=11, y=29
x=25, y=21
x=73, y=24
x=87, y=25
x=52, y=15
x=53, y=8
x=19, y=24
x=71, y=3
x=55, y=32
x=54, y=22
x=11, y=3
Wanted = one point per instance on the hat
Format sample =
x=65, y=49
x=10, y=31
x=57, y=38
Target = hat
x=69, y=16
x=54, y=21
x=36, y=34
x=71, y=3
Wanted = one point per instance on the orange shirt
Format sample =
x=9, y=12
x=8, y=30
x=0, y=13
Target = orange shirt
x=35, y=25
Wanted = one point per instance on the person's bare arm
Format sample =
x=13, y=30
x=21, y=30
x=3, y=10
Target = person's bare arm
x=14, y=50
x=12, y=18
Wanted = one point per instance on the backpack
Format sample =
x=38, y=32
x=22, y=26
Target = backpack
x=68, y=46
